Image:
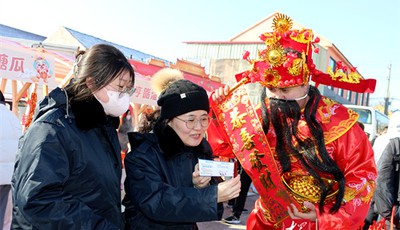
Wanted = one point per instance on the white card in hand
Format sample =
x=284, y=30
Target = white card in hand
x=216, y=168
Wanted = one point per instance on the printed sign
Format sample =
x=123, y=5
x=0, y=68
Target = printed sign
x=143, y=92
x=26, y=65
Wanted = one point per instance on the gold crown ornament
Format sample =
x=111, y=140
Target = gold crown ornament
x=287, y=61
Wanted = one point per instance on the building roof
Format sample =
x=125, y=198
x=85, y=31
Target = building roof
x=85, y=39
x=7, y=31
x=89, y=40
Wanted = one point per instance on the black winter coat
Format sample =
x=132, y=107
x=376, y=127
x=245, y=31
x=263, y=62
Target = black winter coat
x=385, y=195
x=159, y=189
x=68, y=168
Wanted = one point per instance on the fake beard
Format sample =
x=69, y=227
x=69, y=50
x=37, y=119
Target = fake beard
x=284, y=115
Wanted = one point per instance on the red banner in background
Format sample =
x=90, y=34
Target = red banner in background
x=147, y=70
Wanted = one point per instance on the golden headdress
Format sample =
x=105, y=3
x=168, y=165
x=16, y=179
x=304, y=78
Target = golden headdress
x=287, y=61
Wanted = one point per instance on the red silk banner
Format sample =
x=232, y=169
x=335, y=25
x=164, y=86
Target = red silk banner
x=241, y=125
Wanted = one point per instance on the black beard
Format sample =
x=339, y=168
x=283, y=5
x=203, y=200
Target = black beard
x=284, y=112
x=285, y=115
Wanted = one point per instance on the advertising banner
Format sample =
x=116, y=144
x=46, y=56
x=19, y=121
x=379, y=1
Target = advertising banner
x=26, y=65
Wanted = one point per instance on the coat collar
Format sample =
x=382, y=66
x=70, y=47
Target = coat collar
x=172, y=145
x=90, y=114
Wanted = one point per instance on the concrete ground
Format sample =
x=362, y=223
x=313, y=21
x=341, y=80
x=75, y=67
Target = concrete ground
x=220, y=225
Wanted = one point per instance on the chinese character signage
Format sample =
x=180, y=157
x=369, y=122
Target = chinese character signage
x=26, y=65
x=143, y=92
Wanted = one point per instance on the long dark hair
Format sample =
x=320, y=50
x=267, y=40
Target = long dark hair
x=102, y=62
x=306, y=153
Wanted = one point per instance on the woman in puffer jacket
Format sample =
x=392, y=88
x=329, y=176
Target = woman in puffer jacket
x=163, y=187
x=68, y=167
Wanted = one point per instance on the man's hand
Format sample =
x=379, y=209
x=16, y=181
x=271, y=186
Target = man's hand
x=294, y=213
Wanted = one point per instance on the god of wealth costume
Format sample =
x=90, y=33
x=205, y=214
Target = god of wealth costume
x=287, y=62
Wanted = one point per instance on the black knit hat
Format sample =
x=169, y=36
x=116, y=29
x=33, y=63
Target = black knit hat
x=182, y=96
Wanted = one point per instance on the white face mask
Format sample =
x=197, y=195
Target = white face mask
x=116, y=105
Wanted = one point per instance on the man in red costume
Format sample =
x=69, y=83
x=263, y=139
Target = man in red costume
x=308, y=158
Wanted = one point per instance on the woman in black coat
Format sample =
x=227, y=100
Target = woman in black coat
x=386, y=194
x=163, y=186
x=68, y=167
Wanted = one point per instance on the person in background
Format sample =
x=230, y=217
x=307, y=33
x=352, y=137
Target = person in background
x=239, y=202
x=148, y=121
x=126, y=125
x=164, y=189
x=361, y=125
x=323, y=158
x=10, y=131
x=382, y=133
x=380, y=143
x=68, y=166
x=387, y=185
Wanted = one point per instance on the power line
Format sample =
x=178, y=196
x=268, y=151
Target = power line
x=388, y=92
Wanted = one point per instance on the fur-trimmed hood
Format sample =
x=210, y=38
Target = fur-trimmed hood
x=172, y=145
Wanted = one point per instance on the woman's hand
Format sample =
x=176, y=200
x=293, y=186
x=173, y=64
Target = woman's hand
x=220, y=93
x=295, y=214
x=229, y=189
x=199, y=181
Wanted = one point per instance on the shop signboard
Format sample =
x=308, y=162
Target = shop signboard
x=26, y=65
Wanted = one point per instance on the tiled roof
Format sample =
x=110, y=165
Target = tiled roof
x=88, y=41
x=84, y=39
x=11, y=32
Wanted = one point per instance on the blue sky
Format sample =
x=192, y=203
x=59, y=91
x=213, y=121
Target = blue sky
x=365, y=31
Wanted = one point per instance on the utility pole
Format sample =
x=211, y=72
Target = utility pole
x=387, y=93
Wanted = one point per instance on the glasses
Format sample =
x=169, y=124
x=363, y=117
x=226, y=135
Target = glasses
x=191, y=122
x=121, y=90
